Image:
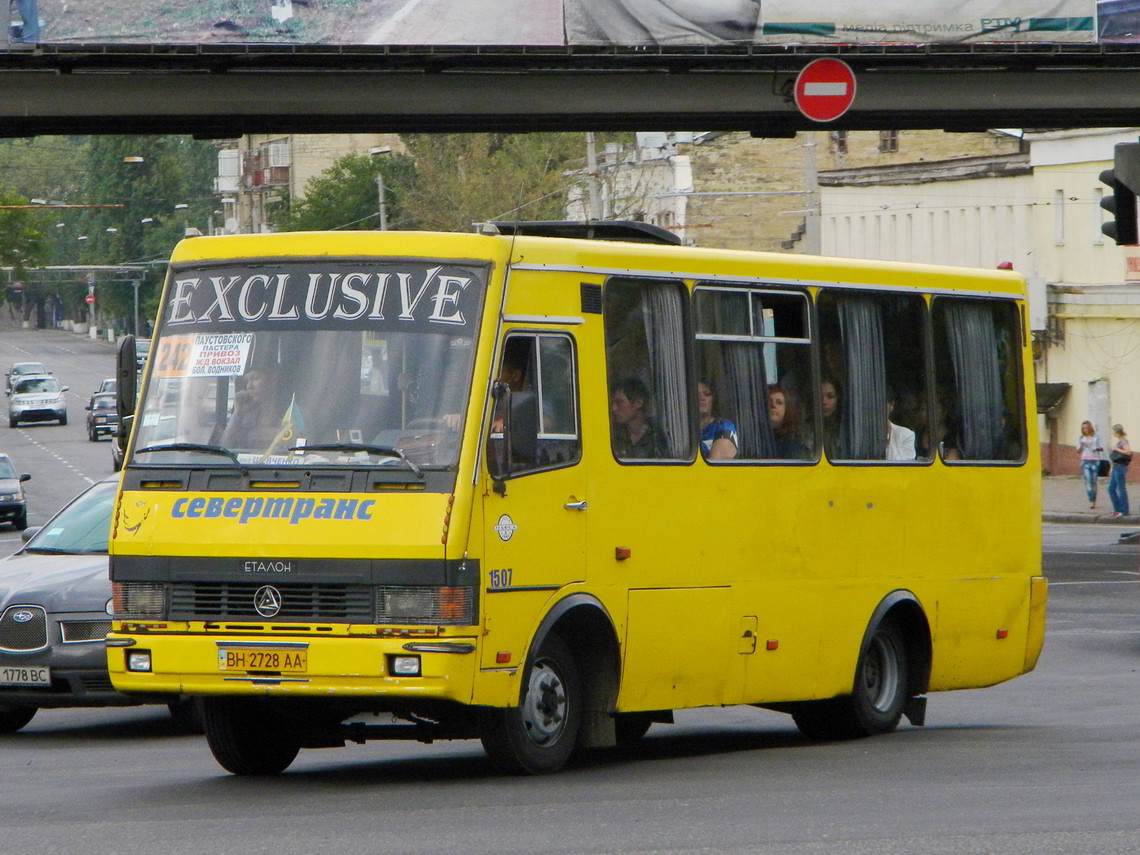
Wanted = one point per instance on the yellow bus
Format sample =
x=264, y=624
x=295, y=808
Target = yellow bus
x=544, y=485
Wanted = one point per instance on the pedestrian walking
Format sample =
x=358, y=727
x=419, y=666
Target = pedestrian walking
x=1090, y=448
x=1120, y=455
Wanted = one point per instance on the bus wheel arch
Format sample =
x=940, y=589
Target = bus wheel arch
x=892, y=669
x=571, y=668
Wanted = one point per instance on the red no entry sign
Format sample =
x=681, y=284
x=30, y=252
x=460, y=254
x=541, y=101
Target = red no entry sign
x=90, y=299
x=825, y=89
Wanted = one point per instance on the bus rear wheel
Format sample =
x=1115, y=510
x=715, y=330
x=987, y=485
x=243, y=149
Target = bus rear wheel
x=247, y=737
x=876, y=702
x=537, y=736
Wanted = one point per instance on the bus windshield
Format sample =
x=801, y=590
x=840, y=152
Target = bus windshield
x=310, y=364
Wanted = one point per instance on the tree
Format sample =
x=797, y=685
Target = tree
x=22, y=242
x=347, y=195
x=470, y=178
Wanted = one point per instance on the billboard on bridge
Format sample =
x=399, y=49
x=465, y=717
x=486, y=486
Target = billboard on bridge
x=676, y=23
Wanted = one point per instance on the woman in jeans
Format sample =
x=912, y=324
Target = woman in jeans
x=1090, y=448
x=1121, y=456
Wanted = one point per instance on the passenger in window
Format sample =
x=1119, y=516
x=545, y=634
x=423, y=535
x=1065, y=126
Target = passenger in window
x=784, y=412
x=900, y=440
x=635, y=435
x=718, y=435
x=831, y=409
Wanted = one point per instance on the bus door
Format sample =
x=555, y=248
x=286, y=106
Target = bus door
x=535, y=519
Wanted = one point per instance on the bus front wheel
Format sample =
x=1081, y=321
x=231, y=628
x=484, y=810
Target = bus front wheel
x=538, y=735
x=248, y=738
x=876, y=702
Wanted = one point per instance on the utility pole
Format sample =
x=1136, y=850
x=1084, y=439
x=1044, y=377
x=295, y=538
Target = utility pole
x=593, y=181
x=813, y=242
x=382, y=192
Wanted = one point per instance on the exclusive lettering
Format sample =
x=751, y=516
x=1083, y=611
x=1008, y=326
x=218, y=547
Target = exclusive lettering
x=180, y=311
x=244, y=307
x=280, y=313
x=446, y=298
x=220, y=291
x=355, y=295
x=311, y=310
x=407, y=301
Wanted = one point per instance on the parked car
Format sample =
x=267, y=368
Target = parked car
x=55, y=613
x=24, y=369
x=36, y=399
x=102, y=416
x=13, y=502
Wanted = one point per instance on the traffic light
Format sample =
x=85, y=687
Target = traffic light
x=1124, y=180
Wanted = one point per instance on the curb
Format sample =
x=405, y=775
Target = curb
x=1102, y=519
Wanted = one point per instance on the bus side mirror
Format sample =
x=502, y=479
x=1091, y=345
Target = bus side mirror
x=126, y=391
x=498, y=461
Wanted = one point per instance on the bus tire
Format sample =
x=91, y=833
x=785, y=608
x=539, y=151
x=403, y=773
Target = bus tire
x=13, y=718
x=247, y=738
x=878, y=697
x=537, y=736
x=629, y=728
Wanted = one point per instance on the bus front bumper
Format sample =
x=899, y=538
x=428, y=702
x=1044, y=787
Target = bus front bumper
x=210, y=664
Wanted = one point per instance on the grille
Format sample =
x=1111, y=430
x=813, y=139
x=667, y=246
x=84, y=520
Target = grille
x=214, y=600
x=97, y=682
x=74, y=631
x=29, y=633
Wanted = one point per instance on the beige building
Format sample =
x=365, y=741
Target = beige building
x=263, y=171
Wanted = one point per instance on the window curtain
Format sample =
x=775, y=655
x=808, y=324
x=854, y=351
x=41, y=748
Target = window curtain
x=747, y=396
x=863, y=428
x=974, y=352
x=663, y=315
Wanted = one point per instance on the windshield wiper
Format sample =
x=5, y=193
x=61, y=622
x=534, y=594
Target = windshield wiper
x=192, y=446
x=381, y=450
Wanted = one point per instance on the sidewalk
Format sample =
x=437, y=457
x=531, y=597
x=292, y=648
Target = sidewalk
x=1063, y=500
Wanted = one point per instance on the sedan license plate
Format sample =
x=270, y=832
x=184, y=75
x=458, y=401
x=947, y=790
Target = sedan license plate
x=35, y=676
x=254, y=659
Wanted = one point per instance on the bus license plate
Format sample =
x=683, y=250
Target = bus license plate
x=40, y=676
x=252, y=659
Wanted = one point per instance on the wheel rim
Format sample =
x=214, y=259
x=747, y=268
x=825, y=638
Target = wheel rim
x=881, y=674
x=545, y=706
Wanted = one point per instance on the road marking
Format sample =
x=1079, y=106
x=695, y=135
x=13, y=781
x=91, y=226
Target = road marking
x=380, y=35
x=1091, y=582
x=61, y=459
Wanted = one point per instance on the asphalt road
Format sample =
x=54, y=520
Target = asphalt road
x=1047, y=763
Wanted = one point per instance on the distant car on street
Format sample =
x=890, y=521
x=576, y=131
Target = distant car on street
x=142, y=351
x=102, y=416
x=13, y=502
x=108, y=385
x=37, y=398
x=19, y=370
x=55, y=612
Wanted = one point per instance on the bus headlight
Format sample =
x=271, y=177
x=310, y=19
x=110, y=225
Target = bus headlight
x=137, y=600
x=417, y=604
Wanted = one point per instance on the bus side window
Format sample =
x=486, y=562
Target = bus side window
x=873, y=390
x=754, y=365
x=649, y=400
x=978, y=372
x=541, y=372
